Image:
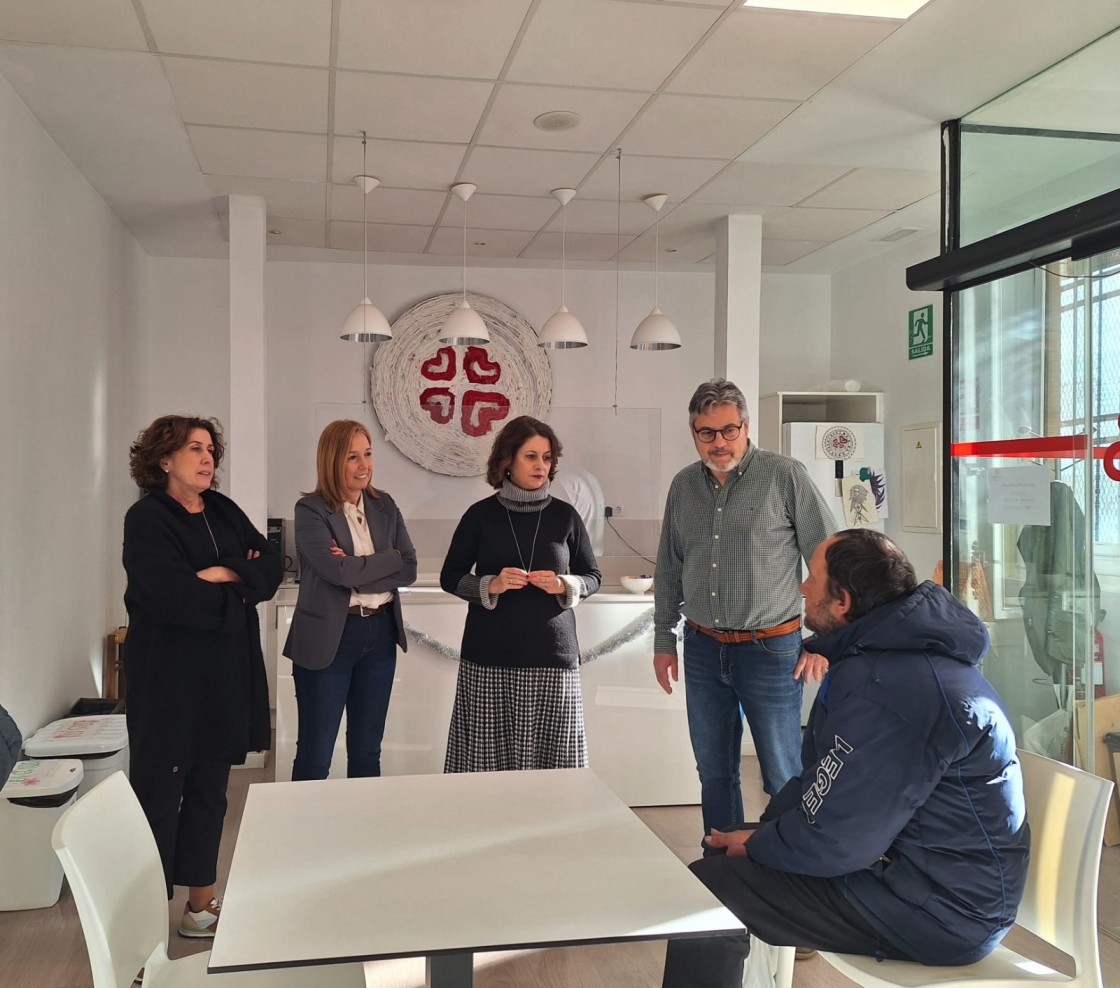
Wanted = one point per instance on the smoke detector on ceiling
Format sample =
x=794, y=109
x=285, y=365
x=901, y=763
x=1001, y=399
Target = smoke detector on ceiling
x=558, y=120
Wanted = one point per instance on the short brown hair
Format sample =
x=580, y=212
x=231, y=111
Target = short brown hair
x=330, y=459
x=517, y=433
x=164, y=436
x=869, y=567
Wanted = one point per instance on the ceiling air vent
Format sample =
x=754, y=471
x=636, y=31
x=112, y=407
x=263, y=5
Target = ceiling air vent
x=557, y=120
x=900, y=234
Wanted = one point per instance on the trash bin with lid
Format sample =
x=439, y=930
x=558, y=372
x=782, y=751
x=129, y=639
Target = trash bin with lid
x=36, y=795
x=100, y=741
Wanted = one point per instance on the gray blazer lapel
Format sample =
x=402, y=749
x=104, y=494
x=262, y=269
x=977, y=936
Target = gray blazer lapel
x=340, y=529
x=378, y=521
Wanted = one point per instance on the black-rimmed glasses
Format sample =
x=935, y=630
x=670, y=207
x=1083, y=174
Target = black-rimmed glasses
x=729, y=432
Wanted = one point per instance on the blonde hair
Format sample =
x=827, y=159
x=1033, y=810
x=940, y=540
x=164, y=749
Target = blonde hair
x=330, y=461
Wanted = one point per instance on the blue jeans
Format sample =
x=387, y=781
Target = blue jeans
x=360, y=679
x=758, y=678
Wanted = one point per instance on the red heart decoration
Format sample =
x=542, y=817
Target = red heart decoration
x=479, y=368
x=480, y=409
x=439, y=403
x=441, y=367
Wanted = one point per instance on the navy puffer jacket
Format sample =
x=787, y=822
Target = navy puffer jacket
x=911, y=792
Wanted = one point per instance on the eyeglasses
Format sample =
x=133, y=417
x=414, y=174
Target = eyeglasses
x=729, y=432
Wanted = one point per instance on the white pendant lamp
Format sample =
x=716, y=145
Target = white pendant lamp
x=464, y=327
x=366, y=323
x=656, y=331
x=563, y=331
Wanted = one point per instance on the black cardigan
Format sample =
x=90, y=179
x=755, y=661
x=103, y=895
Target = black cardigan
x=196, y=680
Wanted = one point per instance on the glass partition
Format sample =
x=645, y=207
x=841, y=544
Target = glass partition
x=1047, y=144
x=1037, y=495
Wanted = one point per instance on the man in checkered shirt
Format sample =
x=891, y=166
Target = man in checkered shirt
x=736, y=527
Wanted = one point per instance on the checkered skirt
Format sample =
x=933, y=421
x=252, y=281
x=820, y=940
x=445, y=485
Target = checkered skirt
x=505, y=719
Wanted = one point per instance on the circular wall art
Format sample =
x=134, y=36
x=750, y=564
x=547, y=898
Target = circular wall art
x=838, y=442
x=442, y=405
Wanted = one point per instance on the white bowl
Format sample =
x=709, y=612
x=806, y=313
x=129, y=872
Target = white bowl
x=636, y=584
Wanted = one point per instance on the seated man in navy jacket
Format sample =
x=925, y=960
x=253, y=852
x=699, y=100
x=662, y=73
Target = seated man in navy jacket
x=905, y=835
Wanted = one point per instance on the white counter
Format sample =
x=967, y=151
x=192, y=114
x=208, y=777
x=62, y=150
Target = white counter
x=637, y=736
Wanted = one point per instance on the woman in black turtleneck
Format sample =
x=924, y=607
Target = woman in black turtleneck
x=522, y=560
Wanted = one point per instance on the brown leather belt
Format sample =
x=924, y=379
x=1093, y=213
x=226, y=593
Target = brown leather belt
x=358, y=610
x=738, y=637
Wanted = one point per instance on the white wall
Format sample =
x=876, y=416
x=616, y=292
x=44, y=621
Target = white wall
x=870, y=307
x=796, y=342
x=71, y=354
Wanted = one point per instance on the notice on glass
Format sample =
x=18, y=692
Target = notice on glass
x=1019, y=496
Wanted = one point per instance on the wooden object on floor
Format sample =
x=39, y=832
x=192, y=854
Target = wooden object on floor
x=112, y=670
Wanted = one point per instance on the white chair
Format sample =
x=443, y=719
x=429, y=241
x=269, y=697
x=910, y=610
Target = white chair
x=1066, y=809
x=111, y=861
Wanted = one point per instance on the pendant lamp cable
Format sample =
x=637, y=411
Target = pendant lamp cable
x=464, y=250
x=617, y=252
x=365, y=225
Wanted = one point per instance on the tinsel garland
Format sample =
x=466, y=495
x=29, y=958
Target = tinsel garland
x=626, y=634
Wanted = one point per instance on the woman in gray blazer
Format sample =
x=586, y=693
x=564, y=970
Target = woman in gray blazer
x=354, y=554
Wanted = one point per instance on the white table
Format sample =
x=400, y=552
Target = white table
x=445, y=865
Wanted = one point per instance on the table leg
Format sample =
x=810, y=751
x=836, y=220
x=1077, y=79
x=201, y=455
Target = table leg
x=449, y=971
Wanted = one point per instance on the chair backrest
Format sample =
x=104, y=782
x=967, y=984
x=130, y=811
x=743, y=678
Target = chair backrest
x=111, y=861
x=1066, y=808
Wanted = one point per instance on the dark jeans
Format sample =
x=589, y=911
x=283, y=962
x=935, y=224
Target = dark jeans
x=359, y=680
x=185, y=807
x=780, y=909
x=758, y=677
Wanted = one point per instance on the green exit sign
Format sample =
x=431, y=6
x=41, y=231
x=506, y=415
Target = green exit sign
x=920, y=333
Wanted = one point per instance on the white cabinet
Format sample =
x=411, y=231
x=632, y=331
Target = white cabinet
x=780, y=407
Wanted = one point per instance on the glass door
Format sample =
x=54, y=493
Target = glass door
x=1036, y=496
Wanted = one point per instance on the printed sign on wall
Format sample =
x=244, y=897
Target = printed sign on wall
x=921, y=332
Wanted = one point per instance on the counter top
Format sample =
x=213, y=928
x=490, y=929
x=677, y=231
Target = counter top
x=432, y=593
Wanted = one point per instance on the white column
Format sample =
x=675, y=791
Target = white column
x=739, y=304
x=248, y=455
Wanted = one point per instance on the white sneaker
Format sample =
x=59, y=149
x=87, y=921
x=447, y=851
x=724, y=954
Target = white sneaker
x=202, y=924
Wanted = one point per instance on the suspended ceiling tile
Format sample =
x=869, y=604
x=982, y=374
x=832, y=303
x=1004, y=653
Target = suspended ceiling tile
x=597, y=216
x=642, y=175
x=607, y=44
x=408, y=108
x=429, y=37
x=408, y=206
x=295, y=231
x=295, y=32
x=605, y=113
x=385, y=237
x=775, y=253
x=579, y=247
x=515, y=171
x=877, y=188
x=260, y=153
x=480, y=243
x=676, y=247
x=761, y=184
x=244, y=94
x=90, y=23
x=707, y=126
x=779, y=54
x=696, y=214
x=801, y=223
x=503, y=212
x=301, y=200
x=402, y=164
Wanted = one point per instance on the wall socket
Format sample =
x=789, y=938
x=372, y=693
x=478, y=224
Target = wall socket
x=612, y=511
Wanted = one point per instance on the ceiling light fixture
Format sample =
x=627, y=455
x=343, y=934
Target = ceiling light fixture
x=557, y=120
x=366, y=323
x=563, y=331
x=656, y=331
x=464, y=327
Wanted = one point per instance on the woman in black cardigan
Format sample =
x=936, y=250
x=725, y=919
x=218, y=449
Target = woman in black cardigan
x=197, y=692
x=522, y=560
